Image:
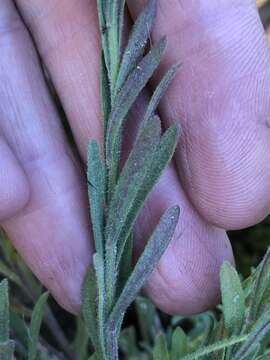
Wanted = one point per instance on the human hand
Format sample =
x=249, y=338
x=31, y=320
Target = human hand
x=221, y=177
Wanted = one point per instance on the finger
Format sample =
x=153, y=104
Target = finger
x=221, y=99
x=67, y=36
x=14, y=192
x=51, y=232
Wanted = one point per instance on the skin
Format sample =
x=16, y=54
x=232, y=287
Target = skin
x=220, y=176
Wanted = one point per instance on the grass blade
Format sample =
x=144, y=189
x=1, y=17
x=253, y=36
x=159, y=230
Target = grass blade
x=35, y=326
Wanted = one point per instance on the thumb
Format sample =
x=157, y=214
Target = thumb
x=14, y=190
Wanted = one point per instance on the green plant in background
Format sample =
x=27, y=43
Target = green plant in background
x=239, y=329
x=241, y=333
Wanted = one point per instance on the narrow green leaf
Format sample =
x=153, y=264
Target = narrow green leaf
x=7, y=350
x=101, y=6
x=101, y=13
x=132, y=176
x=160, y=90
x=80, y=344
x=160, y=160
x=137, y=42
x=125, y=267
x=179, y=344
x=259, y=332
x=214, y=348
x=19, y=328
x=4, y=312
x=113, y=44
x=160, y=349
x=10, y=275
x=102, y=297
x=260, y=286
x=35, y=326
x=105, y=93
x=96, y=191
x=135, y=82
x=147, y=262
x=233, y=299
x=124, y=196
x=125, y=99
x=120, y=15
x=89, y=306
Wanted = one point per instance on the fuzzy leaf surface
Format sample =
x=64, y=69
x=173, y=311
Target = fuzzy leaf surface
x=261, y=284
x=259, y=332
x=215, y=348
x=179, y=344
x=124, y=197
x=99, y=269
x=4, y=312
x=233, y=299
x=160, y=350
x=35, y=326
x=96, y=191
x=147, y=262
x=160, y=90
x=137, y=42
x=89, y=306
x=131, y=178
x=161, y=159
x=125, y=99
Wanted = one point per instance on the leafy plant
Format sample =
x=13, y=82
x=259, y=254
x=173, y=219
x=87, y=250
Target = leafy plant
x=237, y=330
x=116, y=196
x=242, y=331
